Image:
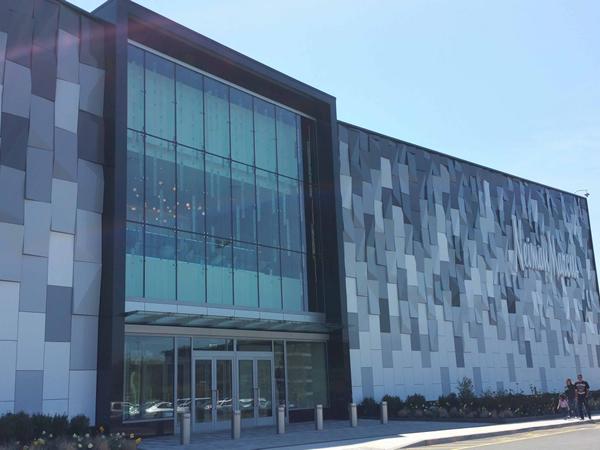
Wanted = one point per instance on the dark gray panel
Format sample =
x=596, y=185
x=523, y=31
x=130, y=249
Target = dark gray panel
x=12, y=188
x=11, y=248
x=38, y=180
x=91, y=97
x=43, y=73
x=65, y=155
x=41, y=123
x=16, y=97
x=45, y=24
x=90, y=135
x=58, y=314
x=68, y=20
x=20, y=35
x=37, y=228
x=90, y=182
x=367, y=382
x=92, y=43
x=29, y=385
x=13, y=146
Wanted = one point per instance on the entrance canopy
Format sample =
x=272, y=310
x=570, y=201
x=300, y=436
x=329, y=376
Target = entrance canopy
x=223, y=322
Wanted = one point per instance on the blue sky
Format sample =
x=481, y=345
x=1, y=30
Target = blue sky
x=510, y=84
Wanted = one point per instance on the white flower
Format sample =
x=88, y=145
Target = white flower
x=90, y=445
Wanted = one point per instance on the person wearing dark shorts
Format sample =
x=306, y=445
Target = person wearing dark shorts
x=582, y=389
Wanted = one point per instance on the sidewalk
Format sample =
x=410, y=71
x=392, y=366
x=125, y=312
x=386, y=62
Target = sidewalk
x=369, y=434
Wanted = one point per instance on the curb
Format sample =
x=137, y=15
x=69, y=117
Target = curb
x=469, y=437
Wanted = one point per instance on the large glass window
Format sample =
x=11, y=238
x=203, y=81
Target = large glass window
x=190, y=189
x=183, y=403
x=267, y=208
x=219, y=272
x=218, y=196
x=217, y=117
x=242, y=127
x=134, y=260
x=216, y=175
x=243, y=202
x=245, y=274
x=160, y=97
x=135, y=89
x=159, y=263
x=264, y=135
x=148, y=378
x=288, y=144
x=160, y=182
x=306, y=374
x=190, y=108
x=191, y=268
x=135, y=176
x=269, y=278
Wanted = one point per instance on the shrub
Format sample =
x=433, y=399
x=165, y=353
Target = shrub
x=368, y=408
x=449, y=401
x=415, y=401
x=466, y=394
x=79, y=425
x=394, y=403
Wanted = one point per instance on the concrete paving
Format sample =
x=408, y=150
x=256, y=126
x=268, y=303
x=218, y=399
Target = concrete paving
x=369, y=434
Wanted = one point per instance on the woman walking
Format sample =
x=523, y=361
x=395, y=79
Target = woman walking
x=570, y=392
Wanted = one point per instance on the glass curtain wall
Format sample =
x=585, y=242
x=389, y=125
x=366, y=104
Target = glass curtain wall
x=215, y=192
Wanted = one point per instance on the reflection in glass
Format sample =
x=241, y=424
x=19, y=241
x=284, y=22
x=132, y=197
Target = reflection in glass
x=160, y=97
x=242, y=128
x=307, y=374
x=289, y=213
x=279, y=360
x=190, y=268
x=160, y=263
x=148, y=377
x=203, y=390
x=135, y=176
x=134, y=260
x=264, y=135
x=265, y=388
x=224, y=389
x=246, y=345
x=219, y=272
x=245, y=276
x=160, y=182
x=218, y=196
x=213, y=344
x=269, y=280
x=288, y=142
x=184, y=375
x=243, y=202
x=291, y=280
x=246, y=388
x=216, y=106
x=190, y=189
x=190, y=108
x=267, y=208
x=135, y=88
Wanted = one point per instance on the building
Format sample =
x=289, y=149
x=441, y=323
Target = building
x=184, y=228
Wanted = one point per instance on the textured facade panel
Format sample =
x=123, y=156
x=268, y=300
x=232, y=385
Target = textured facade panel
x=88, y=242
x=12, y=187
x=38, y=178
x=28, y=391
x=479, y=262
x=82, y=388
x=37, y=228
x=42, y=96
x=84, y=342
x=32, y=292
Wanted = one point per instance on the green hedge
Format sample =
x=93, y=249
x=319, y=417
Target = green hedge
x=466, y=404
x=23, y=428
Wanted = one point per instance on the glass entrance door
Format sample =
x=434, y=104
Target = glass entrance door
x=213, y=392
x=255, y=389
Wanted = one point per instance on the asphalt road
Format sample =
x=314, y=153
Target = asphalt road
x=577, y=437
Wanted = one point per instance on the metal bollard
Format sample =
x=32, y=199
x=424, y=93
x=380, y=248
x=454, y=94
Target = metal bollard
x=384, y=412
x=280, y=419
x=319, y=417
x=353, y=415
x=185, y=428
x=236, y=424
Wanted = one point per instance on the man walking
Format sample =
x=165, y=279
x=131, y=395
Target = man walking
x=582, y=388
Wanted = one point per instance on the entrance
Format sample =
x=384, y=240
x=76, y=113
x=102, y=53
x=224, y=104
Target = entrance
x=224, y=381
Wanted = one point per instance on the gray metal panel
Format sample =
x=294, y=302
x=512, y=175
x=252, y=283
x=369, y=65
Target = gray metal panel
x=28, y=390
x=65, y=155
x=58, y=314
x=84, y=342
x=12, y=187
x=38, y=180
x=32, y=293
x=37, y=228
x=17, y=90
x=41, y=123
